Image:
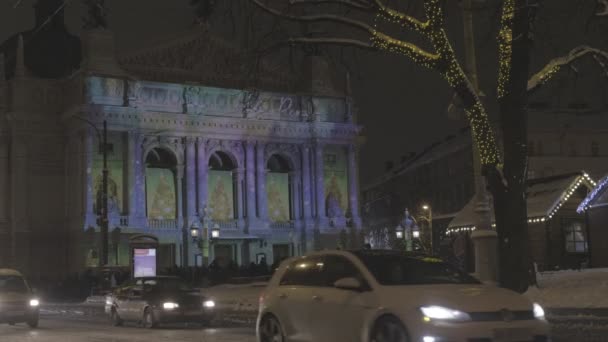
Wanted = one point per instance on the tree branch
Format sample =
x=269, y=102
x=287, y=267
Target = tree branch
x=401, y=18
x=379, y=40
x=413, y=51
x=505, y=46
x=349, y=3
x=604, y=11
x=314, y=18
x=334, y=41
x=556, y=64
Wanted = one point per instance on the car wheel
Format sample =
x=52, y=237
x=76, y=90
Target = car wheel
x=270, y=330
x=149, y=320
x=32, y=322
x=115, y=318
x=389, y=329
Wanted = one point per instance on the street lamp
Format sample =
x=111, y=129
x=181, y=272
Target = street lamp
x=399, y=232
x=416, y=234
x=195, y=233
x=215, y=232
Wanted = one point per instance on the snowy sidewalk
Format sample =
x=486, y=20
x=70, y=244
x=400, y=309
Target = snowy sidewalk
x=569, y=290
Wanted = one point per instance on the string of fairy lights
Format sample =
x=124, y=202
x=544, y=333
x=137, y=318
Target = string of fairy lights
x=443, y=61
x=505, y=47
x=563, y=198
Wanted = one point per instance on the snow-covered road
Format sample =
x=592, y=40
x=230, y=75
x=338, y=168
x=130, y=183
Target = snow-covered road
x=54, y=330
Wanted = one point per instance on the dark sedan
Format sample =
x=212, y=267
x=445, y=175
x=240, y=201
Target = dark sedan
x=156, y=300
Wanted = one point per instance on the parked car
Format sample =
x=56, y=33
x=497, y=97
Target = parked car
x=156, y=300
x=18, y=304
x=388, y=296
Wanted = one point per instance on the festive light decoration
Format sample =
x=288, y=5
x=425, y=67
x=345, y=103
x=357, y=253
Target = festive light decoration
x=565, y=196
x=598, y=189
x=505, y=46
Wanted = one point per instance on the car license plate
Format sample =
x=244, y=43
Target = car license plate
x=512, y=334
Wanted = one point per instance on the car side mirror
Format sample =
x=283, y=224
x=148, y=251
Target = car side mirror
x=349, y=283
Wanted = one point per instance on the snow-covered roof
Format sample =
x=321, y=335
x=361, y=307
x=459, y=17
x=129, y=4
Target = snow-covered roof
x=593, y=195
x=9, y=272
x=545, y=196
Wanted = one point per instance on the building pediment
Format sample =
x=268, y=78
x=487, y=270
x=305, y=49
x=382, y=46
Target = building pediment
x=204, y=58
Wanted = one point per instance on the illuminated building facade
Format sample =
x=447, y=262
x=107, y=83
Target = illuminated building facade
x=190, y=145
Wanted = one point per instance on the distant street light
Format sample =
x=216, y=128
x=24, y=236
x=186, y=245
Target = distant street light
x=215, y=232
x=429, y=220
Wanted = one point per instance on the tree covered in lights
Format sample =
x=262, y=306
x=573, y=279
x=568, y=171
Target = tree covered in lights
x=376, y=25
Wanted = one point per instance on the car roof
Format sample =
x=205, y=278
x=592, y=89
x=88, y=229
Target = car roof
x=389, y=252
x=367, y=252
x=10, y=272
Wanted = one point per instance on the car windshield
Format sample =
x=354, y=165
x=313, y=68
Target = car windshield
x=167, y=284
x=12, y=284
x=406, y=270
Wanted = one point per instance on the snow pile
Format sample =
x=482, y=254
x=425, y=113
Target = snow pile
x=571, y=289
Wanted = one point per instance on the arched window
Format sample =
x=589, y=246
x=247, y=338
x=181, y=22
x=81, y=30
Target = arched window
x=222, y=187
x=161, y=195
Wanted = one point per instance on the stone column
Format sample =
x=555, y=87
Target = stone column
x=135, y=179
x=203, y=168
x=190, y=181
x=250, y=180
x=179, y=178
x=240, y=213
x=320, y=187
x=261, y=181
x=87, y=167
x=307, y=236
x=306, y=185
x=296, y=200
x=139, y=166
x=353, y=189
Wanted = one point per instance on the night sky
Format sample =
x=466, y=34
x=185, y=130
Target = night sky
x=401, y=106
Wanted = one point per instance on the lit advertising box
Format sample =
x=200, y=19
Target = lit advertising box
x=144, y=262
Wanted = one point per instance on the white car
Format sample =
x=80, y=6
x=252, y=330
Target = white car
x=387, y=296
x=17, y=300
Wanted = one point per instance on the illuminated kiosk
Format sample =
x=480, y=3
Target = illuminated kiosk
x=143, y=250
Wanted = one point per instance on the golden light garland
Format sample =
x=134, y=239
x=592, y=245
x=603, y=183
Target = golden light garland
x=505, y=47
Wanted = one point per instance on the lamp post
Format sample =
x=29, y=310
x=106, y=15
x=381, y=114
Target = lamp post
x=102, y=139
x=199, y=239
x=429, y=219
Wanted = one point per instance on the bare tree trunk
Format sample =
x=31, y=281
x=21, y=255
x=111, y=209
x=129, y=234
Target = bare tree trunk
x=516, y=271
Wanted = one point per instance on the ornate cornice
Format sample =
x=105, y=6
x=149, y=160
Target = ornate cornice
x=124, y=119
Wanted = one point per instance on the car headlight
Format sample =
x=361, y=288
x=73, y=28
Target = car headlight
x=209, y=304
x=445, y=314
x=170, y=305
x=34, y=302
x=539, y=312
